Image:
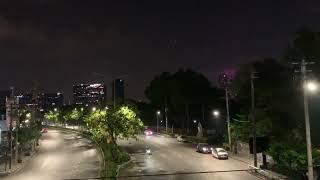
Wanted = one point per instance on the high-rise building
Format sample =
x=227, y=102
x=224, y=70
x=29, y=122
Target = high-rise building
x=26, y=99
x=87, y=94
x=3, y=96
x=118, y=90
x=49, y=100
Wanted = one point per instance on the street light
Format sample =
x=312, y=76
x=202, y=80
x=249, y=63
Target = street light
x=216, y=113
x=158, y=114
x=94, y=109
x=195, y=121
x=55, y=109
x=81, y=109
x=308, y=87
x=311, y=86
x=106, y=108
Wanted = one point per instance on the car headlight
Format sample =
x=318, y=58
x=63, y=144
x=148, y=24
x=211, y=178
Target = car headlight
x=204, y=149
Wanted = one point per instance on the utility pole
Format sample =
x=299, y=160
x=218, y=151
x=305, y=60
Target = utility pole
x=17, y=144
x=254, y=139
x=166, y=112
x=228, y=117
x=304, y=71
x=157, y=116
x=203, y=113
x=224, y=82
x=10, y=127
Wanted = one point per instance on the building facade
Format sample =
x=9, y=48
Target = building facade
x=87, y=94
x=50, y=100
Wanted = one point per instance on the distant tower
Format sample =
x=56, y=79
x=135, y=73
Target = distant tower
x=118, y=90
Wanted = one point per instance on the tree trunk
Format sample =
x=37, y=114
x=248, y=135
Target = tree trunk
x=187, y=117
x=203, y=113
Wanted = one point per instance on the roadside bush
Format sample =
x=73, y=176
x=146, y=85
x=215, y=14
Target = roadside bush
x=195, y=139
x=215, y=139
x=291, y=160
x=114, y=156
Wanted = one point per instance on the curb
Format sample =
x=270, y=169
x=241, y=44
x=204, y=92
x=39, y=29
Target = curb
x=262, y=172
x=103, y=162
x=122, y=166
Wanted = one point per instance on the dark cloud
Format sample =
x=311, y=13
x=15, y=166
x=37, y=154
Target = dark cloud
x=60, y=42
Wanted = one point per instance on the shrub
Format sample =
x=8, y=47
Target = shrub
x=291, y=159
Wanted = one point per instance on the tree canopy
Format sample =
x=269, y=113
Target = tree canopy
x=181, y=90
x=109, y=124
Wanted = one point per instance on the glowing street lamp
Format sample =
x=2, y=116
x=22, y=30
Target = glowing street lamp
x=81, y=109
x=216, y=113
x=158, y=114
x=94, y=109
x=311, y=86
x=55, y=109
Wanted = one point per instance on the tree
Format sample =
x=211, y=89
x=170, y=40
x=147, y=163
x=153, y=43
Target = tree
x=292, y=159
x=73, y=116
x=53, y=116
x=181, y=89
x=109, y=124
x=275, y=98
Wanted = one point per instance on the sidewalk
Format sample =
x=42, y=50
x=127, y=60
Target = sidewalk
x=4, y=171
x=248, y=159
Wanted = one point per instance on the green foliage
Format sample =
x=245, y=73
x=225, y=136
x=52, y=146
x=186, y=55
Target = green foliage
x=181, y=90
x=28, y=133
x=241, y=130
x=292, y=157
x=53, y=115
x=112, y=123
x=277, y=104
x=73, y=116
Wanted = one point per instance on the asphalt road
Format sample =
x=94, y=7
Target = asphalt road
x=62, y=155
x=171, y=157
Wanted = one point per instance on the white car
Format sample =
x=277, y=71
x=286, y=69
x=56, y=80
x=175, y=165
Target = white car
x=219, y=153
x=181, y=139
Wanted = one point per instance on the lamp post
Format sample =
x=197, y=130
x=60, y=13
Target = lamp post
x=308, y=87
x=158, y=114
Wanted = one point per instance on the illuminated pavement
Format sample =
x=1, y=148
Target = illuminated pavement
x=62, y=155
x=170, y=157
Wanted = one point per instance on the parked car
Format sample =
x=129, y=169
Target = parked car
x=181, y=138
x=219, y=153
x=204, y=148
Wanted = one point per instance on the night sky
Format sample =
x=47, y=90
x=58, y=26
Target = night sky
x=60, y=42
